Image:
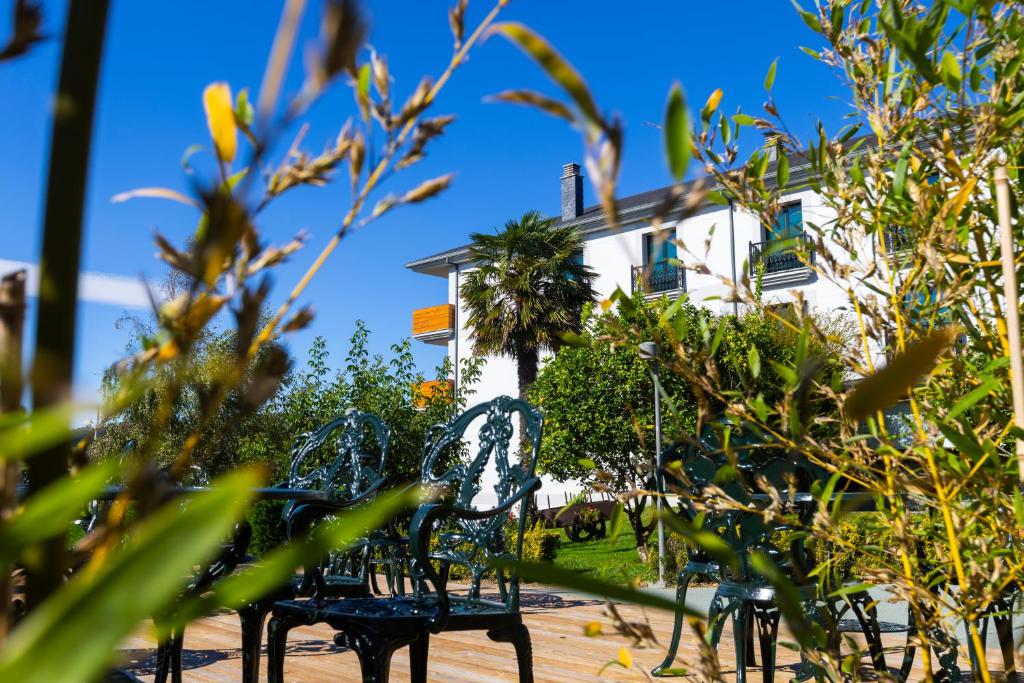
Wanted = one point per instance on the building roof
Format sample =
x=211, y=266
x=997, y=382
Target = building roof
x=632, y=209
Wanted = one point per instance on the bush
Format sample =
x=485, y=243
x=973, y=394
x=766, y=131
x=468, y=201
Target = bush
x=540, y=544
x=675, y=557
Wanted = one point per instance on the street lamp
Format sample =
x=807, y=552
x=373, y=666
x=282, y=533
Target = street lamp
x=649, y=352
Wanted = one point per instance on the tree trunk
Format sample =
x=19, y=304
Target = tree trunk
x=61, y=256
x=634, y=510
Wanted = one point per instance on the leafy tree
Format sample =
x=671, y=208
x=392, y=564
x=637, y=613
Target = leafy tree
x=528, y=290
x=598, y=395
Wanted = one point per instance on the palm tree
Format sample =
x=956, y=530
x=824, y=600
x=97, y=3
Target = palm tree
x=529, y=288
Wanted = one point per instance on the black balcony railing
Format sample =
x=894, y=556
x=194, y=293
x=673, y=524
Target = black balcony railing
x=780, y=255
x=897, y=239
x=662, y=276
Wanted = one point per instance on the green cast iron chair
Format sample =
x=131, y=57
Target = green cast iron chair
x=353, y=473
x=749, y=469
x=451, y=531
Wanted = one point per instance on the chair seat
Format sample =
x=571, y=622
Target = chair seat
x=395, y=614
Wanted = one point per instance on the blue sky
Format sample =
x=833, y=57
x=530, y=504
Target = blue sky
x=507, y=159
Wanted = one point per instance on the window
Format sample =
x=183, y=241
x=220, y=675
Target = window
x=659, y=247
x=789, y=222
x=922, y=310
x=660, y=271
x=897, y=239
x=576, y=261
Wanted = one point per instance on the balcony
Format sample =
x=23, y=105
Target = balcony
x=781, y=260
x=434, y=325
x=425, y=391
x=898, y=244
x=659, y=279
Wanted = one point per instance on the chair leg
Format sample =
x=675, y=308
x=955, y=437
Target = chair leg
x=682, y=585
x=176, y=645
x=252, y=618
x=163, y=661
x=741, y=634
x=767, y=622
x=863, y=608
x=1004, y=629
x=277, y=642
x=519, y=636
x=374, y=654
x=418, y=652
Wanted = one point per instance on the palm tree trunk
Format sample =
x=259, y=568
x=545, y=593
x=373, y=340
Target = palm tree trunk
x=61, y=255
x=527, y=361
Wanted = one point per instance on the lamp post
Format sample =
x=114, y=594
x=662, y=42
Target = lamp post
x=649, y=352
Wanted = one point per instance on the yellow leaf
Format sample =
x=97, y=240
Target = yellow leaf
x=956, y=205
x=592, y=629
x=625, y=659
x=713, y=99
x=220, y=119
x=606, y=304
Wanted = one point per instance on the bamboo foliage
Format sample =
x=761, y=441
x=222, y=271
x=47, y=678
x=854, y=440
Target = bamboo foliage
x=220, y=276
x=934, y=95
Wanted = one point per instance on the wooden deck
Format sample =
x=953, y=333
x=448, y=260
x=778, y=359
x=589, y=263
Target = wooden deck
x=556, y=620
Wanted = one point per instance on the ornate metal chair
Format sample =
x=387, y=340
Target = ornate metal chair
x=353, y=477
x=451, y=532
x=751, y=472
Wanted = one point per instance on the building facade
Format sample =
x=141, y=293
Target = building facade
x=636, y=255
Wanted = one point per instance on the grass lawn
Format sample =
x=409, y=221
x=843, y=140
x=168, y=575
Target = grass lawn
x=606, y=558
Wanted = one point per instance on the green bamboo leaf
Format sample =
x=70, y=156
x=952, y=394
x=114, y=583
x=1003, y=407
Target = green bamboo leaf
x=949, y=70
x=889, y=384
x=615, y=522
x=809, y=18
x=22, y=436
x=363, y=81
x=711, y=543
x=677, y=133
x=718, y=336
x=769, y=79
x=782, y=170
x=899, y=177
x=556, y=67
x=744, y=119
x=74, y=635
x=574, y=339
x=754, y=361
x=49, y=512
x=973, y=397
x=787, y=373
x=967, y=444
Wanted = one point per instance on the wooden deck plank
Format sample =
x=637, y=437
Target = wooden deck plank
x=562, y=653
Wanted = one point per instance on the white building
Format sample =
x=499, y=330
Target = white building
x=634, y=256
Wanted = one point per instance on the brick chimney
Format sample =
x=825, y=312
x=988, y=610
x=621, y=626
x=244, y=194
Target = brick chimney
x=572, y=192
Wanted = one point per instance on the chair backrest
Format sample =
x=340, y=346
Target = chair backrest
x=355, y=464
x=474, y=537
x=741, y=462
